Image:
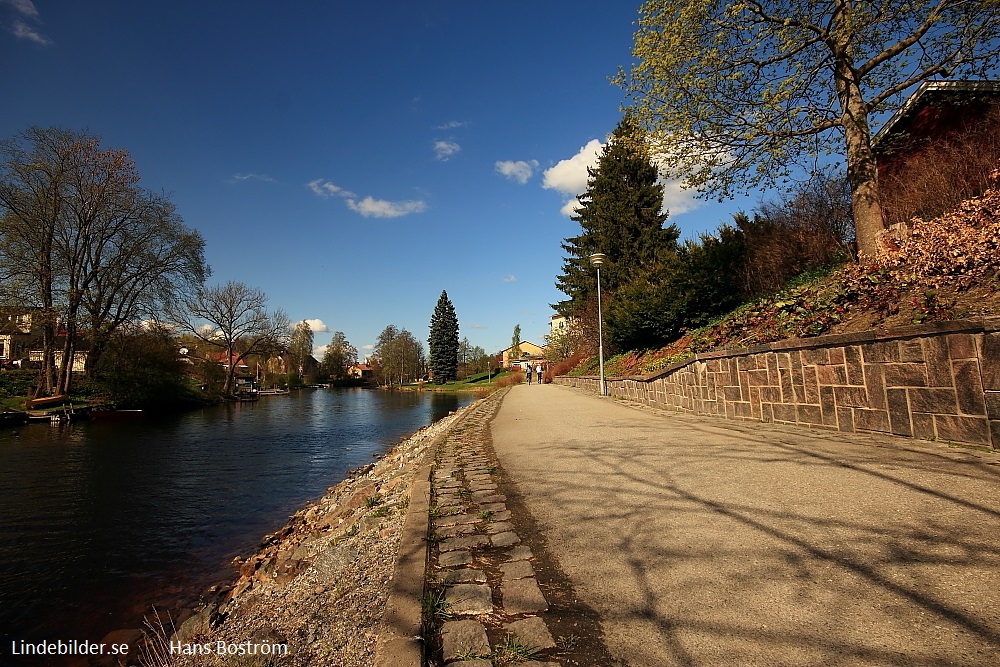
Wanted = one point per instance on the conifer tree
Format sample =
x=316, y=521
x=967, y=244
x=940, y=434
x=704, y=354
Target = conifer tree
x=443, y=341
x=621, y=216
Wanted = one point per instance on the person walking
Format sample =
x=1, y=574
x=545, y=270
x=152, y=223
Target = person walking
x=538, y=369
x=527, y=373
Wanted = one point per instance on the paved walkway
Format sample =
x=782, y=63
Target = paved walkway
x=712, y=543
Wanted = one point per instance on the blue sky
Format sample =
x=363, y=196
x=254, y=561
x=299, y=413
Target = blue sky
x=350, y=159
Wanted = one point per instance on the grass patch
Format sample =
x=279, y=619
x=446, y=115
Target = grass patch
x=512, y=651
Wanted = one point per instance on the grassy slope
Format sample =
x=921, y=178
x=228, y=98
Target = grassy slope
x=941, y=269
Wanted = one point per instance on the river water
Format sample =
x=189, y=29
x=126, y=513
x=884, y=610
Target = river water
x=100, y=520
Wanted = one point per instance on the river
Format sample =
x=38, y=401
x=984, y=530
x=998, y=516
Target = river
x=100, y=520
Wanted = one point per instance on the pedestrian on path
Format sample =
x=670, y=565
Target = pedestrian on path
x=527, y=373
x=538, y=369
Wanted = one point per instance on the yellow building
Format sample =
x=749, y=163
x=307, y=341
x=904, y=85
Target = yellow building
x=529, y=352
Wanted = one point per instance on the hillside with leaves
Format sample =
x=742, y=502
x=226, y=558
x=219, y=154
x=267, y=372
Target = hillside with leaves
x=945, y=268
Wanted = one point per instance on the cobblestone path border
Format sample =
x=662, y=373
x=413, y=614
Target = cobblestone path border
x=483, y=599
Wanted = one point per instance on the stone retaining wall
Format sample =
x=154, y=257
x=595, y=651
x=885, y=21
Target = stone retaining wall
x=938, y=382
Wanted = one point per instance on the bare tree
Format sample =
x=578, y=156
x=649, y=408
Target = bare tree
x=233, y=318
x=85, y=244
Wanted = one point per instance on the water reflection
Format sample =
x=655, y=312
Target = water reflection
x=97, y=520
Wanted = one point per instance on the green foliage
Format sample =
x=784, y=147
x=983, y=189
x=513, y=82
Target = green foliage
x=621, y=216
x=17, y=383
x=698, y=283
x=142, y=369
x=399, y=356
x=515, y=343
x=443, y=341
x=300, y=347
x=339, y=356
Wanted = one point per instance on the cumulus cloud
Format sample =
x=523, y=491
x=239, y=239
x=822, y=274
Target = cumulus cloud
x=569, y=177
x=317, y=326
x=26, y=16
x=368, y=206
x=519, y=171
x=445, y=150
x=510, y=279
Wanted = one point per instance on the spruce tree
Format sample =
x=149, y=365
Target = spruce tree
x=621, y=216
x=443, y=341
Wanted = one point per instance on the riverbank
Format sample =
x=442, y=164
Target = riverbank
x=315, y=592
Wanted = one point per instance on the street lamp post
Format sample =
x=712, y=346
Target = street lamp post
x=596, y=260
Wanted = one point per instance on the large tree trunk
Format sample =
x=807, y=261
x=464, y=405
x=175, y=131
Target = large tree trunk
x=862, y=174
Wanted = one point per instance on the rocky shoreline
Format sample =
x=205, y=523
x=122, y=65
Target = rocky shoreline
x=315, y=592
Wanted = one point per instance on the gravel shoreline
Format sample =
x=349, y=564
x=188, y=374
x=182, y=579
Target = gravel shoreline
x=315, y=592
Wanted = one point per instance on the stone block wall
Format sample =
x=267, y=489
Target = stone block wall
x=938, y=382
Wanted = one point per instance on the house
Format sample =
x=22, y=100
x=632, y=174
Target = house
x=226, y=362
x=529, y=352
x=558, y=325
x=935, y=112
x=361, y=372
x=18, y=336
x=939, y=148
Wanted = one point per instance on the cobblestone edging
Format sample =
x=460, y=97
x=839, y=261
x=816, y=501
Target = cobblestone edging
x=483, y=606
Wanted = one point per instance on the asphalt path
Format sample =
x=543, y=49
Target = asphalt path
x=714, y=543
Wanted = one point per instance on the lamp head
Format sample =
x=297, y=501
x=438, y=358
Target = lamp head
x=597, y=259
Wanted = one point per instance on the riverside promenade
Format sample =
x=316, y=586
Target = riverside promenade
x=703, y=542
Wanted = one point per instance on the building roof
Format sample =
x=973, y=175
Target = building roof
x=935, y=93
x=523, y=342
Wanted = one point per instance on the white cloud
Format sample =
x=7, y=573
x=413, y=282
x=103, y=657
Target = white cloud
x=678, y=199
x=24, y=7
x=252, y=177
x=324, y=188
x=569, y=208
x=369, y=207
x=445, y=150
x=570, y=176
x=510, y=279
x=24, y=31
x=317, y=326
x=451, y=125
x=380, y=208
x=519, y=171
x=319, y=351
x=21, y=26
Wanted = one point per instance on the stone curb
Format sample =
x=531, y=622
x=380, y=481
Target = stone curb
x=399, y=641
